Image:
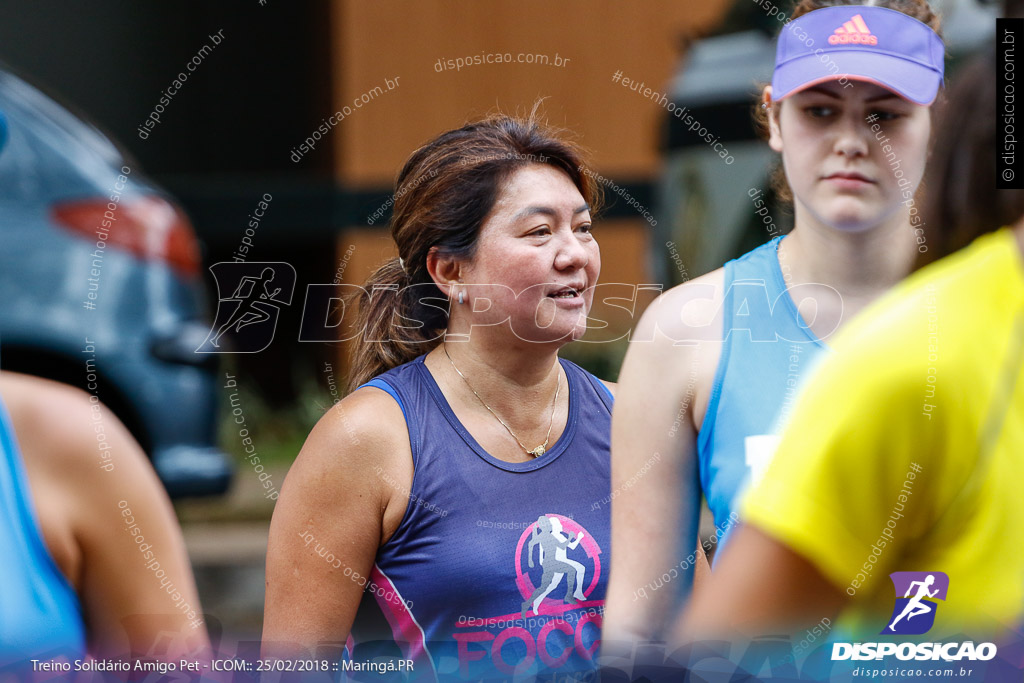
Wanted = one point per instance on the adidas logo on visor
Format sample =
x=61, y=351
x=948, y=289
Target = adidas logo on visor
x=855, y=32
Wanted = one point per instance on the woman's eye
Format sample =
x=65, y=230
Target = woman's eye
x=540, y=231
x=586, y=227
x=820, y=112
x=885, y=115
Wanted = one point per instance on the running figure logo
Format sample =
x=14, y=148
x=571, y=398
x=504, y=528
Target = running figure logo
x=550, y=540
x=914, y=613
x=253, y=305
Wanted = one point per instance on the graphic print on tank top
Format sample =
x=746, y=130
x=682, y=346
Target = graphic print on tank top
x=498, y=569
x=546, y=534
x=562, y=594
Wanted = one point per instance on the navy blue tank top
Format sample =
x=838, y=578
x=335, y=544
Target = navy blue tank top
x=768, y=352
x=40, y=617
x=498, y=569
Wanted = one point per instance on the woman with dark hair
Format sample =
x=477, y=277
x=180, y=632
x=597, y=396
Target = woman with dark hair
x=425, y=485
x=719, y=360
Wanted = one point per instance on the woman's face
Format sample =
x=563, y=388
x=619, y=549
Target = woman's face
x=853, y=156
x=536, y=259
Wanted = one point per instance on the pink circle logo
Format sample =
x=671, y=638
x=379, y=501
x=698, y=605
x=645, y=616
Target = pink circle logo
x=562, y=550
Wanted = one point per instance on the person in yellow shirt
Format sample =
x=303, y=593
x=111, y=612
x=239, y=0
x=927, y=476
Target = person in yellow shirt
x=905, y=454
x=903, y=461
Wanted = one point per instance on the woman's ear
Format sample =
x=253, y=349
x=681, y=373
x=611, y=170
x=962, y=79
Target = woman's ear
x=444, y=270
x=772, y=111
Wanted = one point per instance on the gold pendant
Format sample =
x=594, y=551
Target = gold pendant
x=537, y=452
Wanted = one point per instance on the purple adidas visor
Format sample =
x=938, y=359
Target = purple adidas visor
x=861, y=43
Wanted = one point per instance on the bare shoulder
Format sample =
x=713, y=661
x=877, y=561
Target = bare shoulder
x=354, y=463
x=78, y=458
x=31, y=400
x=47, y=412
x=74, y=439
x=346, y=492
x=362, y=430
x=676, y=347
x=687, y=312
x=681, y=323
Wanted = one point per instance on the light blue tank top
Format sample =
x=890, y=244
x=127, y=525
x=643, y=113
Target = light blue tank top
x=767, y=354
x=40, y=617
x=498, y=569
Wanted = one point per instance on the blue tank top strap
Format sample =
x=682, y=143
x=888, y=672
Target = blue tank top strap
x=767, y=352
x=707, y=427
x=603, y=392
x=40, y=615
x=392, y=383
x=383, y=385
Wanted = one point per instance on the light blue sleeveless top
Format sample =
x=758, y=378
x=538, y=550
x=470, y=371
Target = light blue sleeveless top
x=40, y=617
x=767, y=354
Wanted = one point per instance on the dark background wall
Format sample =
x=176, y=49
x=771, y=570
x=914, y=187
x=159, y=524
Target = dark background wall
x=222, y=139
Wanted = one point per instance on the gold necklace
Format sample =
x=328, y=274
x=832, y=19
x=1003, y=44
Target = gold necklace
x=539, y=450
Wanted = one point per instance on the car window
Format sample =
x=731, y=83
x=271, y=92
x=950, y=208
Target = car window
x=49, y=151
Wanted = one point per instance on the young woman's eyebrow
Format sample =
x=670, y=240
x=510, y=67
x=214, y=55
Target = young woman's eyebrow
x=883, y=96
x=871, y=100
x=823, y=91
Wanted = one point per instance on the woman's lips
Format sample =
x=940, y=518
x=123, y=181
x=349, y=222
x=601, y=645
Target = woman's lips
x=574, y=300
x=849, y=181
x=569, y=302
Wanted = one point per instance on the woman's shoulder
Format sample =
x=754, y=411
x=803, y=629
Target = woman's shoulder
x=685, y=313
x=589, y=377
x=370, y=417
x=678, y=343
x=31, y=398
x=352, y=454
x=53, y=417
x=78, y=458
x=362, y=433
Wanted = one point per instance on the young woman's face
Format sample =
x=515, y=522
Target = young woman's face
x=536, y=259
x=853, y=156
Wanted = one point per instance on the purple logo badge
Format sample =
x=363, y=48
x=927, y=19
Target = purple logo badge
x=915, y=608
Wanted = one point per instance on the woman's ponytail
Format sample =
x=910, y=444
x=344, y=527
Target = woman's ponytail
x=395, y=327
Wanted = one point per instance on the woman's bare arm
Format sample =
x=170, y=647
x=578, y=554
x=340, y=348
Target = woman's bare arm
x=785, y=594
x=341, y=500
x=654, y=468
x=108, y=523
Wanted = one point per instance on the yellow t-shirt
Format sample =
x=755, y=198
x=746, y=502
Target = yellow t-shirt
x=906, y=451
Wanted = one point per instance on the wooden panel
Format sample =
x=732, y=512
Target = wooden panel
x=362, y=250
x=624, y=245
x=385, y=39
x=623, y=250
x=368, y=248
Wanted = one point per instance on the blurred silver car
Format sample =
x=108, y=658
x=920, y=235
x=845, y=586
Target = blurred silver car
x=100, y=279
